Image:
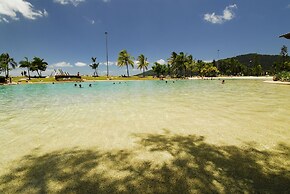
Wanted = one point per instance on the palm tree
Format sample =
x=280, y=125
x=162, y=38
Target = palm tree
x=95, y=66
x=5, y=62
x=142, y=63
x=125, y=59
x=172, y=61
x=26, y=64
x=38, y=65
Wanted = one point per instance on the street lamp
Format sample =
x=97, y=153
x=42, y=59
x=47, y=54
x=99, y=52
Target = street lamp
x=107, y=55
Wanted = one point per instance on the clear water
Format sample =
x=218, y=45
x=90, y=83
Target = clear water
x=56, y=116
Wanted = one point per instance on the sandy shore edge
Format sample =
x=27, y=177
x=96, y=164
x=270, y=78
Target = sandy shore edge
x=277, y=82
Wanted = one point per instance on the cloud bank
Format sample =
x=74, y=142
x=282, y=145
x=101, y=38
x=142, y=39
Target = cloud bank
x=10, y=9
x=228, y=14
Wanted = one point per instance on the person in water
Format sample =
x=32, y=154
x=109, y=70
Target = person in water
x=223, y=81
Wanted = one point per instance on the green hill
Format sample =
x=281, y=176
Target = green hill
x=147, y=73
x=266, y=61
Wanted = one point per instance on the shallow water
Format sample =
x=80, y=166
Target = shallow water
x=106, y=115
x=191, y=136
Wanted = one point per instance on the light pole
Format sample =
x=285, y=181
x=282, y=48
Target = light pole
x=218, y=58
x=107, y=54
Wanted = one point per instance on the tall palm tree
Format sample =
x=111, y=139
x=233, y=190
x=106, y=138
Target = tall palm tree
x=95, y=65
x=6, y=62
x=26, y=64
x=125, y=59
x=142, y=63
x=38, y=65
x=172, y=62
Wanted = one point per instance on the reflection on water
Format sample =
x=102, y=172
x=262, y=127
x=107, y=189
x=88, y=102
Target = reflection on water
x=53, y=117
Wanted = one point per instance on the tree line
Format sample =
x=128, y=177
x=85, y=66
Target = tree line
x=178, y=65
x=7, y=63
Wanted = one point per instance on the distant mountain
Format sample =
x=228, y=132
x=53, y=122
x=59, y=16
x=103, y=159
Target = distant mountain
x=147, y=73
x=266, y=61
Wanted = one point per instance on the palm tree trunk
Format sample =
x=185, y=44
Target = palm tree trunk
x=127, y=70
x=38, y=73
x=143, y=72
x=7, y=72
x=28, y=73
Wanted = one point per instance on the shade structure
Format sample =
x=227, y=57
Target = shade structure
x=285, y=36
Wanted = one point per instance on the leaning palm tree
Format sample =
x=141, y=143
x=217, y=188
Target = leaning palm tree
x=142, y=63
x=26, y=64
x=125, y=59
x=6, y=62
x=38, y=65
x=95, y=66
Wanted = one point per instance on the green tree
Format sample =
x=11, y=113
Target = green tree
x=142, y=63
x=257, y=68
x=6, y=62
x=125, y=59
x=38, y=65
x=95, y=66
x=26, y=64
x=178, y=63
x=159, y=69
x=189, y=65
x=172, y=62
x=284, y=57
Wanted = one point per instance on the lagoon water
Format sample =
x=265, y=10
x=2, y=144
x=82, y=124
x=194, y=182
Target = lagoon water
x=44, y=118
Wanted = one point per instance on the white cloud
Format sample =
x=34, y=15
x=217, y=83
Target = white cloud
x=110, y=63
x=61, y=64
x=80, y=64
x=161, y=61
x=228, y=14
x=67, y=2
x=45, y=13
x=11, y=8
x=288, y=6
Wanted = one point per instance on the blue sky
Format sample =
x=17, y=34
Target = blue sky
x=67, y=33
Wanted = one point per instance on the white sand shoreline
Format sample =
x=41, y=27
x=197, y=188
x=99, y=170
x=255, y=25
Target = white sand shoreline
x=236, y=77
x=277, y=82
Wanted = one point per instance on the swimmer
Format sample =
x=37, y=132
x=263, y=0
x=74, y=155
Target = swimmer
x=90, y=85
x=223, y=81
x=80, y=85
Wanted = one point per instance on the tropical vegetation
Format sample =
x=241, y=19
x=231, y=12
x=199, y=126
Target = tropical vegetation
x=178, y=65
x=38, y=65
x=6, y=64
x=26, y=64
x=95, y=66
x=282, y=66
x=125, y=59
x=142, y=63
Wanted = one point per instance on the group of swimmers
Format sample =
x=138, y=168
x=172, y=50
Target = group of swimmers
x=90, y=85
x=80, y=85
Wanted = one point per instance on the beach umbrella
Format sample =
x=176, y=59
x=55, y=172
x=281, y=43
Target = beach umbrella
x=285, y=36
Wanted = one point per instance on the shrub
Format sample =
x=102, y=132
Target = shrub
x=283, y=76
